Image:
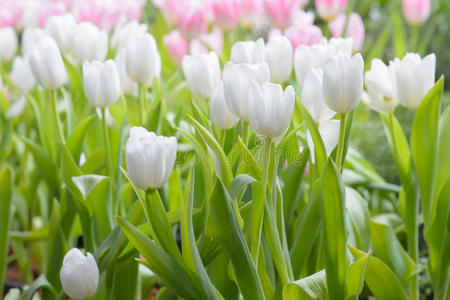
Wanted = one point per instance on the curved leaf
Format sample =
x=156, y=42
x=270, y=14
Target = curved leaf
x=313, y=287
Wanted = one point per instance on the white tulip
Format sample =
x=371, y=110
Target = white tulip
x=101, y=82
x=218, y=110
x=308, y=57
x=150, y=158
x=312, y=97
x=16, y=108
x=202, y=73
x=143, y=59
x=21, y=75
x=88, y=42
x=380, y=91
x=329, y=132
x=279, y=58
x=248, y=52
x=30, y=37
x=46, y=64
x=60, y=28
x=124, y=30
x=343, y=82
x=127, y=85
x=270, y=109
x=79, y=275
x=414, y=77
x=8, y=43
x=344, y=45
x=236, y=85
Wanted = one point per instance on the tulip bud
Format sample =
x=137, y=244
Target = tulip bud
x=101, y=82
x=248, y=52
x=329, y=132
x=30, y=37
x=355, y=29
x=79, y=275
x=176, y=45
x=307, y=58
x=124, y=30
x=379, y=84
x=202, y=73
x=343, y=45
x=312, y=97
x=60, y=28
x=127, y=85
x=330, y=9
x=270, y=109
x=414, y=77
x=343, y=82
x=8, y=44
x=218, y=109
x=190, y=22
x=88, y=42
x=150, y=158
x=226, y=13
x=47, y=65
x=280, y=12
x=143, y=59
x=249, y=10
x=236, y=85
x=416, y=11
x=21, y=75
x=303, y=35
x=279, y=58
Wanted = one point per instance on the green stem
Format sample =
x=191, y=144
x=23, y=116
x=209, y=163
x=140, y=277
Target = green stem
x=341, y=142
x=108, y=156
x=223, y=134
x=56, y=119
x=246, y=133
x=142, y=103
x=414, y=38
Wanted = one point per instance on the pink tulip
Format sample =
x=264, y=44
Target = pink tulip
x=330, y=9
x=10, y=13
x=280, y=12
x=176, y=45
x=169, y=8
x=416, y=11
x=303, y=18
x=303, y=35
x=249, y=10
x=355, y=29
x=226, y=13
x=191, y=22
x=207, y=42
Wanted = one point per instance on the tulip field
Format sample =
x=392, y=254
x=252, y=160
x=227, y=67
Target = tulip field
x=224, y=149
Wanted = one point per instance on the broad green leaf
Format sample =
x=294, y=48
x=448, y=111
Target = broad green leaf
x=6, y=211
x=358, y=214
x=443, y=167
x=248, y=164
x=175, y=190
x=85, y=183
x=313, y=287
x=354, y=277
x=40, y=283
x=30, y=236
x=76, y=138
x=239, y=184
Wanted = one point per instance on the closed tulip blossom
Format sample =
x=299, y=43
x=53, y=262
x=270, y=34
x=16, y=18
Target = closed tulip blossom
x=249, y=11
x=226, y=13
x=340, y=44
x=236, y=85
x=380, y=91
x=8, y=43
x=279, y=59
x=21, y=75
x=355, y=29
x=218, y=109
x=416, y=12
x=176, y=45
x=191, y=22
x=343, y=82
x=303, y=35
x=101, y=83
x=143, y=59
x=47, y=64
x=202, y=73
x=124, y=30
x=30, y=37
x=249, y=52
x=281, y=12
x=329, y=9
x=150, y=158
x=60, y=29
x=414, y=77
x=88, y=42
x=270, y=109
x=127, y=85
x=79, y=275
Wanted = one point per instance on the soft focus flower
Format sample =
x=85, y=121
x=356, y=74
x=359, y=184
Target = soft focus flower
x=270, y=109
x=218, y=110
x=226, y=13
x=30, y=37
x=248, y=52
x=150, y=158
x=303, y=35
x=339, y=44
x=176, y=45
x=303, y=18
x=169, y=8
x=206, y=42
x=343, y=82
x=79, y=275
x=127, y=85
x=143, y=59
x=8, y=43
x=191, y=22
x=355, y=29
x=330, y=9
x=280, y=12
x=124, y=29
x=236, y=85
x=312, y=96
x=10, y=13
x=416, y=11
x=249, y=10
x=21, y=75
x=202, y=73
x=36, y=12
x=60, y=29
x=88, y=42
x=413, y=78
x=329, y=132
x=101, y=82
x=16, y=108
x=279, y=58
x=46, y=64
x=380, y=91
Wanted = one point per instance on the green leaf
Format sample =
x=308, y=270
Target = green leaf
x=313, y=287
x=40, y=283
x=354, y=278
x=30, y=236
x=76, y=138
x=443, y=167
x=248, y=164
x=358, y=214
x=239, y=184
x=6, y=186
x=85, y=183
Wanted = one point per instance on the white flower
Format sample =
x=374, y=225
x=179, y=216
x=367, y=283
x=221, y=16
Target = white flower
x=329, y=132
x=150, y=158
x=248, y=52
x=236, y=85
x=30, y=37
x=60, y=28
x=88, y=42
x=343, y=82
x=270, y=109
x=79, y=275
x=279, y=58
x=8, y=43
x=127, y=85
x=101, y=82
x=124, y=30
x=21, y=75
x=414, y=77
x=344, y=45
x=202, y=73
x=218, y=110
